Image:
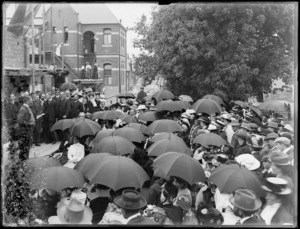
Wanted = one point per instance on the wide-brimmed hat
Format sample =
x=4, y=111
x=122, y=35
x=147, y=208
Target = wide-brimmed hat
x=288, y=127
x=273, y=125
x=286, y=135
x=190, y=111
x=73, y=212
x=271, y=136
x=255, y=143
x=241, y=134
x=245, y=199
x=280, y=159
x=265, y=132
x=212, y=127
x=283, y=140
x=79, y=195
x=130, y=200
x=276, y=185
x=248, y=160
x=245, y=126
x=141, y=107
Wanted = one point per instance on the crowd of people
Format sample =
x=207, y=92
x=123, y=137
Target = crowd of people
x=263, y=144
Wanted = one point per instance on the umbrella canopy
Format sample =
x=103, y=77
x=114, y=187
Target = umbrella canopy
x=184, y=105
x=84, y=127
x=168, y=105
x=210, y=139
x=130, y=134
x=241, y=103
x=163, y=95
x=102, y=134
x=139, y=127
x=128, y=118
x=116, y=172
x=180, y=165
x=114, y=145
x=228, y=178
x=160, y=136
x=166, y=145
x=34, y=166
x=90, y=162
x=68, y=86
x=58, y=178
x=186, y=98
x=126, y=95
x=256, y=110
x=275, y=105
x=150, y=116
x=158, y=173
x=107, y=115
x=63, y=124
x=207, y=106
x=215, y=98
x=164, y=125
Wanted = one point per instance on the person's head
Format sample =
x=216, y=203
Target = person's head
x=282, y=143
x=180, y=183
x=203, y=121
x=27, y=100
x=273, y=127
x=33, y=96
x=241, y=137
x=75, y=96
x=62, y=95
x=48, y=95
x=131, y=202
x=280, y=163
x=168, y=192
x=12, y=97
x=209, y=216
x=67, y=93
x=57, y=93
x=266, y=162
x=91, y=96
x=142, y=88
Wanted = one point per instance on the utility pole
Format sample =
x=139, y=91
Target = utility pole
x=32, y=55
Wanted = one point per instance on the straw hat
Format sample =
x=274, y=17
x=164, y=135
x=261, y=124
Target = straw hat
x=288, y=127
x=212, y=127
x=280, y=159
x=276, y=185
x=271, y=136
x=79, y=195
x=130, y=200
x=283, y=140
x=273, y=125
x=73, y=212
x=190, y=111
x=141, y=107
x=248, y=160
x=245, y=199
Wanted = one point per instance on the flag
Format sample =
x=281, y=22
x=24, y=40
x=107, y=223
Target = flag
x=22, y=17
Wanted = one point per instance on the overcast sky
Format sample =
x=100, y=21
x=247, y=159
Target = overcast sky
x=129, y=13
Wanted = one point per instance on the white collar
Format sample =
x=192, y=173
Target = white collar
x=133, y=216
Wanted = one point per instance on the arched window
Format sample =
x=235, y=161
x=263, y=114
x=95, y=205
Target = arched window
x=107, y=74
x=107, y=36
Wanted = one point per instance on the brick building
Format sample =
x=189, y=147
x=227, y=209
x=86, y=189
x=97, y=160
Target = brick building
x=87, y=34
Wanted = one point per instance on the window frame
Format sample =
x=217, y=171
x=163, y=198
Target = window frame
x=107, y=77
x=107, y=36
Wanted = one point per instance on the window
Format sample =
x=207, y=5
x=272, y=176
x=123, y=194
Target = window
x=54, y=29
x=107, y=74
x=107, y=36
x=122, y=38
x=66, y=34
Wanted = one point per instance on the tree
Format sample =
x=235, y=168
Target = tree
x=231, y=50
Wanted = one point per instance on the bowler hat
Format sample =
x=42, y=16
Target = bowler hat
x=273, y=125
x=283, y=140
x=280, y=159
x=130, y=200
x=271, y=136
x=241, y=134
x=245, y=199
x=276, y=185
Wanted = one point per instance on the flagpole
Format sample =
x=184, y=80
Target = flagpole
x=32, y=55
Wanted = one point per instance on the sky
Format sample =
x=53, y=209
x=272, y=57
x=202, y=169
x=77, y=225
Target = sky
x=129, y=13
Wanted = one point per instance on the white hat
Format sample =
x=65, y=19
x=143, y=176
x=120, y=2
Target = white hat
x=226, y=116
x=142, y=107
x=190, y=111
x=248, y=160
x=276, y=185
x=289, y=127
x=102, y=96
x=79, y=195
x=186, y=115
x=212, y=127
x=283, y=140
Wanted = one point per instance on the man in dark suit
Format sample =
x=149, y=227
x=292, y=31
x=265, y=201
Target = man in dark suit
x=131, y=203
x=37, y=109
x=26, y=123
x=50, y=118
x=76, y=106
x=11, y=111
x=63, y=106
x=92, y=105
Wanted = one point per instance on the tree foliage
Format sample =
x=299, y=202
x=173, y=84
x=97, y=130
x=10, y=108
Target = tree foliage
x=231, y=50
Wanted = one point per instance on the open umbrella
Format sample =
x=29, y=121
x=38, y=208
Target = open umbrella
x=58, y=178
x=278, y=106
x=89, y=162
x=163, y=95
x=160, y=136
x=241, y=103
x=167, y=145
x=115, y=145
x=126, y=95
x=84, y=127
x=180, y=165
x=168, y=105
x=68, y=86
x=107, y=115
x=130, y=134
x=116, y=172
x=139, y=127
x=128, y=118
x=63, y=124
x=210, y=139
x=164, y=125
x=150, y=116
x=102, y=134
x=186, y=98
x=256, y=110
x=207, y=106
x=184, y=105
x=228, y=178
x=216, y=98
